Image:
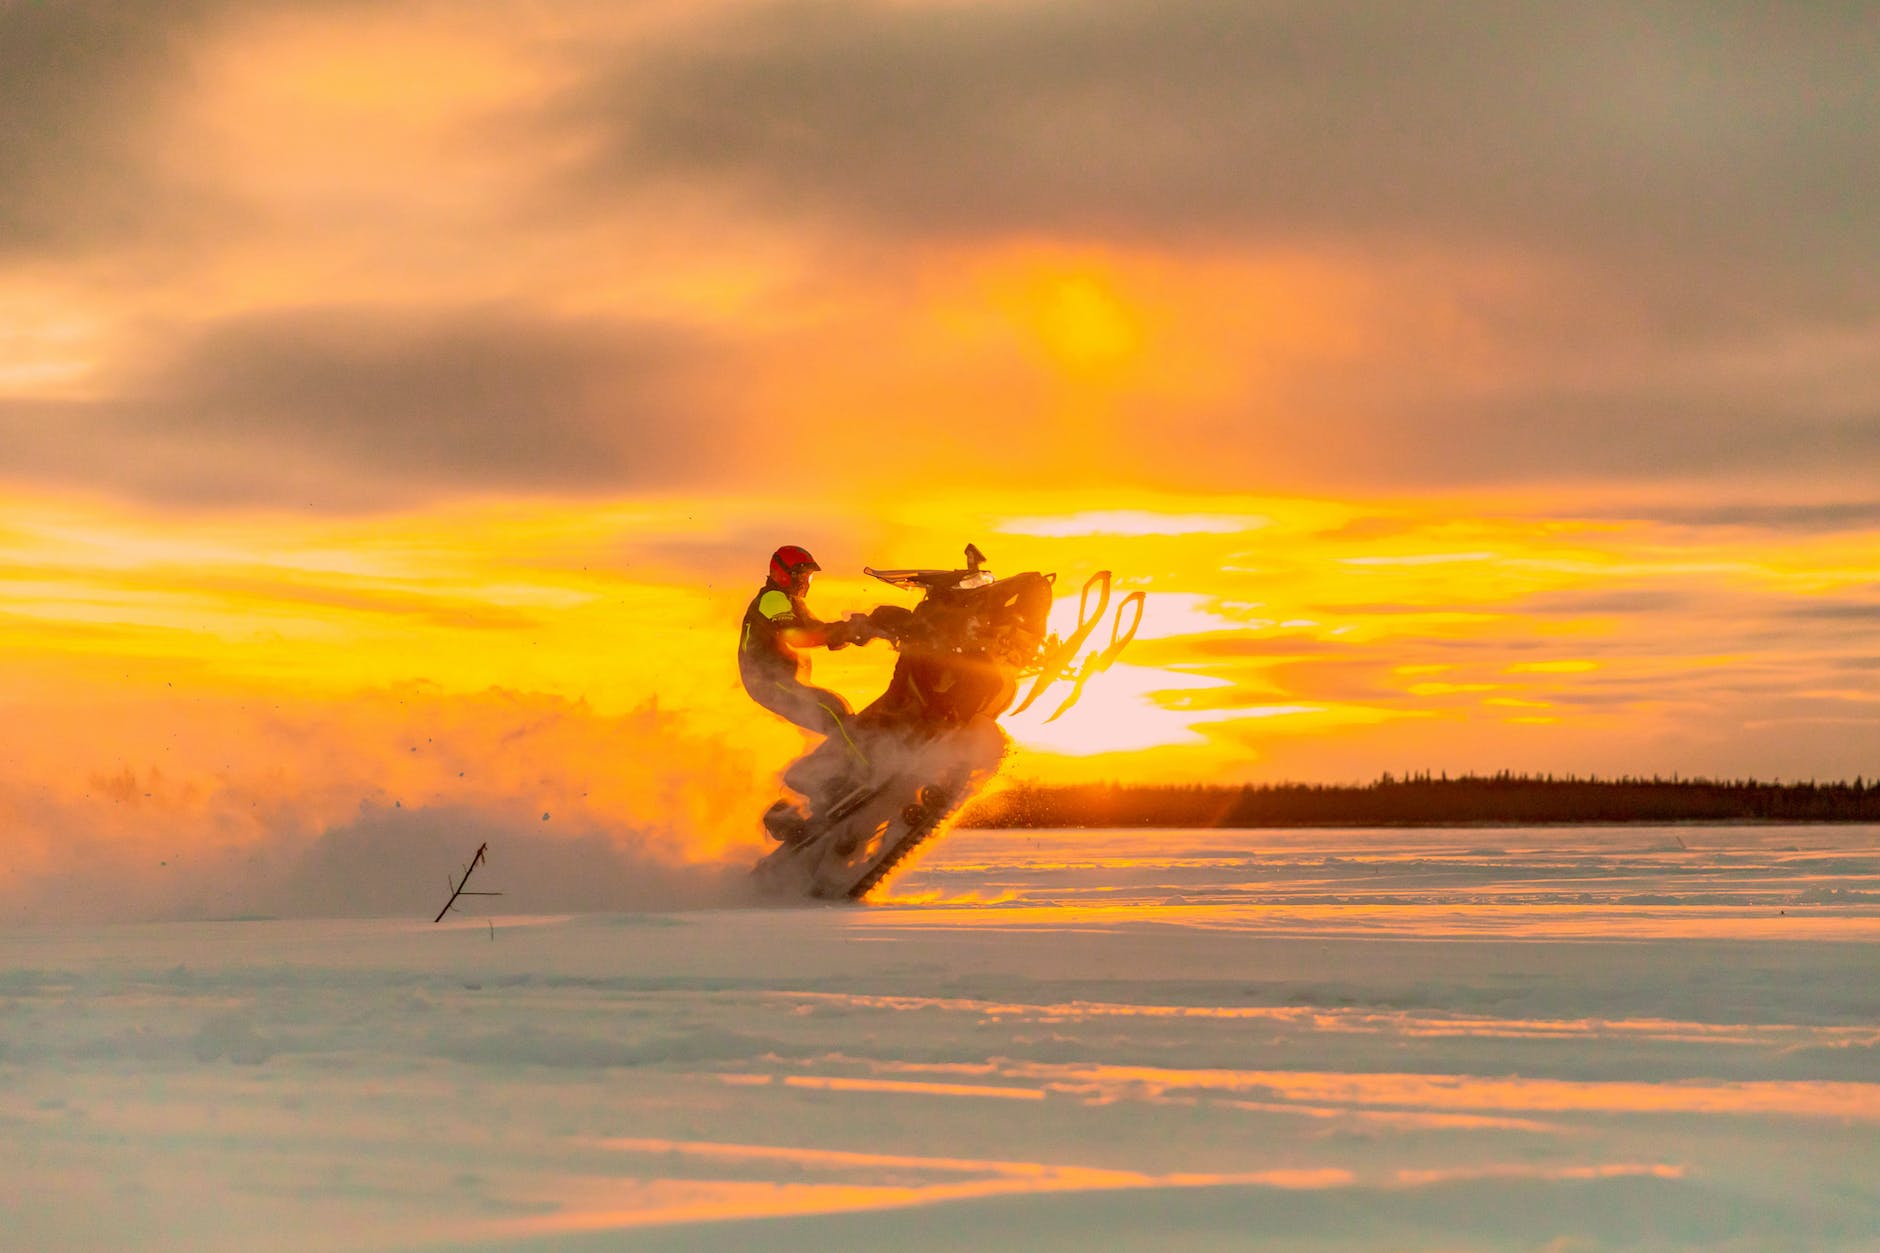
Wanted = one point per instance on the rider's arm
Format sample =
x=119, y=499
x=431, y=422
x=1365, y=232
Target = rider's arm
x=799, y=630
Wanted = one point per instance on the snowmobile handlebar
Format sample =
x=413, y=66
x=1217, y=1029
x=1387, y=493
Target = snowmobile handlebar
x=885, y=622
x=855, y=629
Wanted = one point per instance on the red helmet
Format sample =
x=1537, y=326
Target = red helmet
x=789, y=561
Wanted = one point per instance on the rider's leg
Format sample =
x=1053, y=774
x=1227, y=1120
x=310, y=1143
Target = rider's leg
x=812, y=708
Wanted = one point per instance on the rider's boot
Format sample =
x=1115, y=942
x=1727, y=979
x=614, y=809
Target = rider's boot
x=786, y=822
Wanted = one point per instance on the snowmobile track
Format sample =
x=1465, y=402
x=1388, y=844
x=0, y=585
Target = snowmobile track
x=888, y=863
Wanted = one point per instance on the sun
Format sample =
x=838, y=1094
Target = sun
x=1118, y=713
x=1075, y=313
x=1083, y=324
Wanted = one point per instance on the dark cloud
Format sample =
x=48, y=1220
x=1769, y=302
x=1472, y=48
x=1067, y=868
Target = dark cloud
x=1638, y=429
x=83, y=82
x=1650, y=601
x=1821, y=518
x=1692, y=176
x=1838, y=609
x=1747, y=680
x=352, y=407
x=1694, y=172
x=1730, y=132
x=1372, y=425
x=87, y=90
x=488, y=396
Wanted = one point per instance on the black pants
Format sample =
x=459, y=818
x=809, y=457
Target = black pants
x=813, y=708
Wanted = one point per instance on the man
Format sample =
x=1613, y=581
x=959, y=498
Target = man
x=776, y=625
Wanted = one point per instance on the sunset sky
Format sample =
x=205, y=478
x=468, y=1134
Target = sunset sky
x=398, y=401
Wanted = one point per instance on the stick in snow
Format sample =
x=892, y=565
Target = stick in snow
x=458, y=891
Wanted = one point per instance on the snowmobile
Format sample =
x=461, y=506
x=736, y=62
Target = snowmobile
x=854, y=811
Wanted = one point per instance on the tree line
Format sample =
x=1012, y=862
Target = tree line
x=1429, y=800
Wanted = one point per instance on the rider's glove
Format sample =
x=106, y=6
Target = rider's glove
x=851, y=630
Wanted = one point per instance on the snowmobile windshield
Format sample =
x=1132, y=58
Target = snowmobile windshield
x=965, y=580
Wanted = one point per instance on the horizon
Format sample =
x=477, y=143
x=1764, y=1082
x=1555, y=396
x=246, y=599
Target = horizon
x=400, y=405
x=1390, y=778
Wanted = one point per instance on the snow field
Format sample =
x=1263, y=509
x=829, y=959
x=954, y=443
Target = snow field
x=1615, y=1038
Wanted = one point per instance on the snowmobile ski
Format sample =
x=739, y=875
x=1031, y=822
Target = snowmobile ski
x=1097, y=663
x=1059, y=655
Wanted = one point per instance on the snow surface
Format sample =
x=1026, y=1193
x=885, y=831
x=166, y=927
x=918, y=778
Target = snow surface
x=1489, y=1038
